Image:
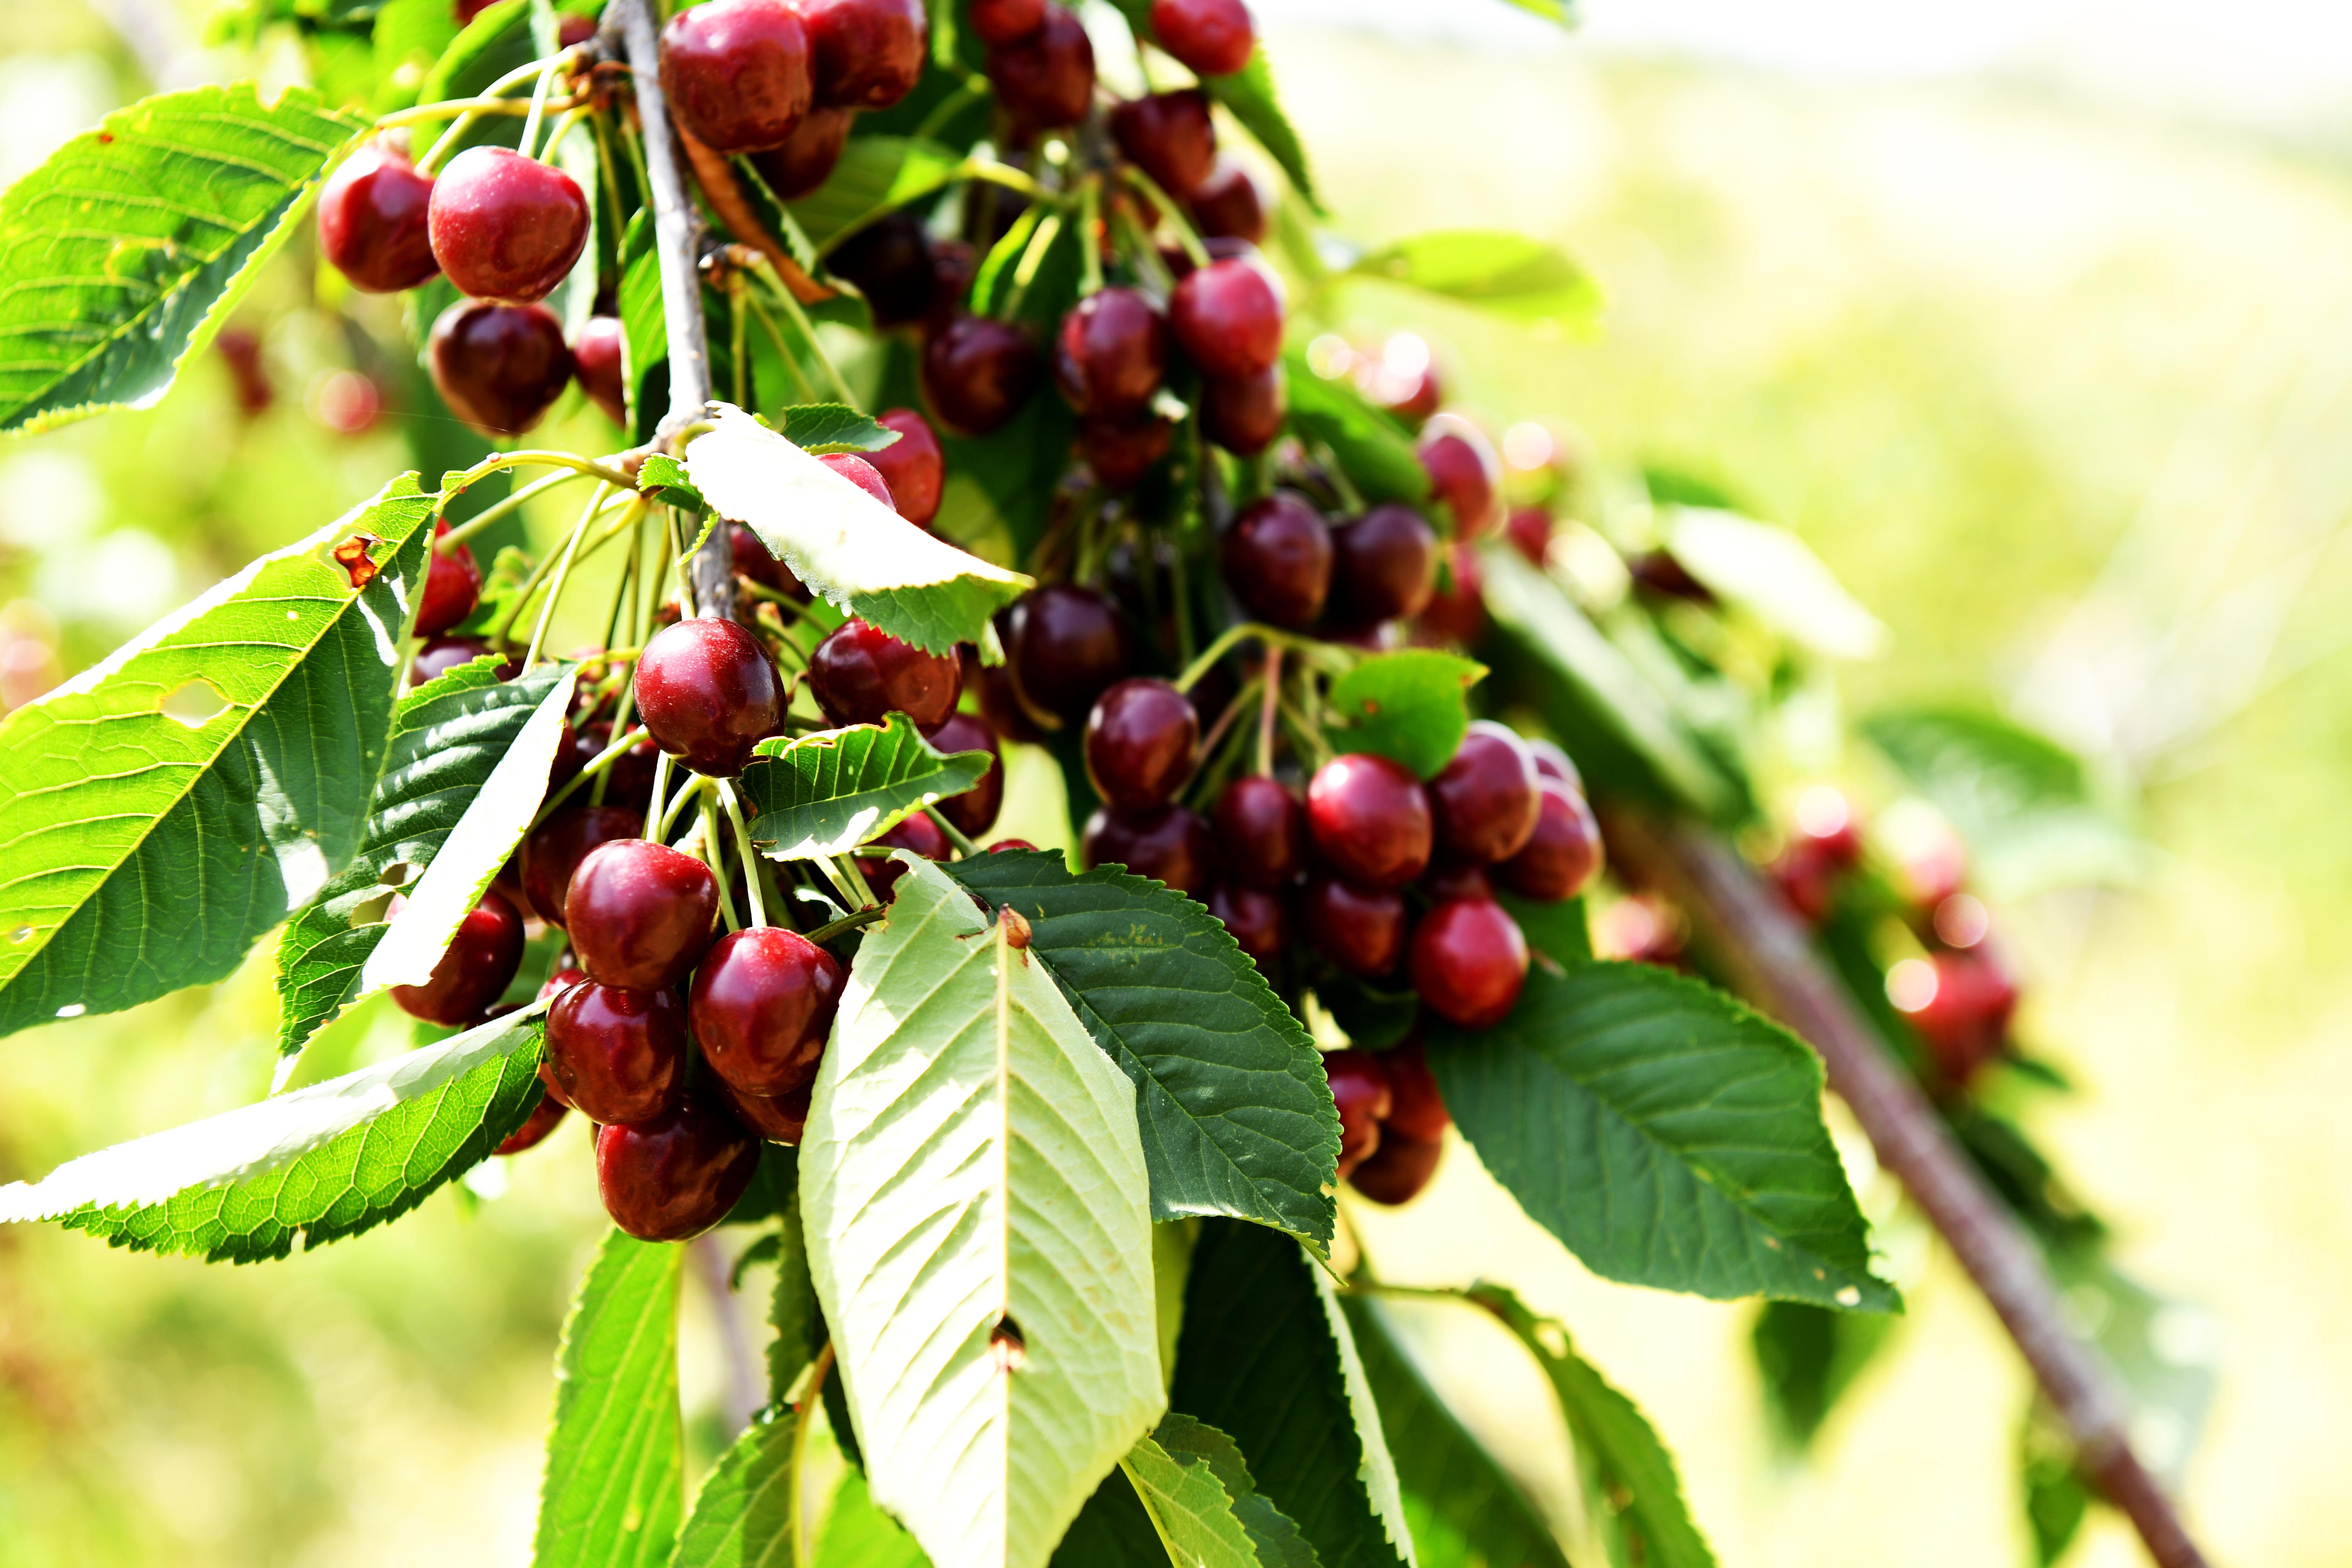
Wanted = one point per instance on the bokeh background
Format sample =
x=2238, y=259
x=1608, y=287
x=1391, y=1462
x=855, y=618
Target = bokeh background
x=2034, y=321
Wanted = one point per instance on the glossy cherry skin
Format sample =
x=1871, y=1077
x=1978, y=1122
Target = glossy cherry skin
x=1227, y=318
x=1360, y=929
x=1385, y=566
x=372, y=221
x=1552, y=763
x=1259, y=921
x=1418, y=1109
x=1359, y=1088
x=1243, y=415
x=535, y=1127
x=673, y=1176
x=1214, y=37
x=708, y=693
x=1068, y=643
x=1120, y=452
x=762, y=1006
x=1170, y=844
x=1003, y=21
x=913, y=465
x=1276, y=558
x=978, y=372
x=1399, y=1169
x=1142, y=743
x=917, y=832
x=807, y=157
x=553, y=853
x=1465, y=475
x=475, y=972
x=1111, y=353
x=890, y=261
x=861, y=474
x=1456, y=613
x=738, y=73
x=453, y=586
x=597, y=360
x=1563, y=854
x=1369, y=820
x=1484, y=800
x=443, y=655
x=499, y=367
x=1168, y=135
x=640, y=913
x=1469, y=961
x=974, y=811
x=1045, y=78
x=1228, y=204
x=505, y=227
x=617, y=1054
x=780, y=1121
x=1262, y=829
x=870, y=53
x=861, y=673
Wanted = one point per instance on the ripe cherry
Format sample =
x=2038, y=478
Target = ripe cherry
x=499, y=367
x=912, y=466
x=1964, y=1016
x=640, y=913
x=1419, y=1111
x=617, y=1054
x=1211, y=37
x=917, y=832
x=1263, y=830
x=1120, y=452
x=1227, y=318
x=1228, y=204
x=1170, y=844
x=806, y=158
x=1142, y=743
x=1808, y=879
x=738, y=72
x=861, y=673
x=890, y=261
x=505, y=227
x=1243, y=416
x=779, y=1121
x=1399, y=1169
x=1068, y=643
x=1110, y=354
x=1003, y=21
x=1485, y=799
x=443, y=655
x=1528, y=527
x=1276, y=558
x=861, y=473
x=1448, y=878
x=1464, y=473
x=372, y=220
x=1360, y=929
x=1456, y=612
x=475, y=972
x=1012, y=845
x=974, y=811
x=762, y=1004
x=453, y=586
x=1259, y=921
x=1552, y=762
x=870, y=53
x=1170, y=136
x=673, y=1176
x=978, y=372
x=535, y=1127
x=1359, y=1088
x=596, y=360
x=1469, y=961
x=1563, y=854
x=1384, y=565
x=1371, y=819
x=708, y=693
x=1046, y=77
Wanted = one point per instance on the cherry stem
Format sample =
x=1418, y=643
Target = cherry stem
x=847, y=923
x=534, y=457
x=446, y=143
x=1090, y=273
x=1208, y=779
x=1268, y=707
x=716, y=860
x=744, y=852
x=677, y=808
x=765, y=271
x=662, y=769
x=1350, y=495
x=1186, y=236
x=449, y=107
x=594, y=769
x=497, y=510
x=964, y=846
x=1033, y=259
x=792, y=360
x=538, y=107
x=989, y=171
x=1307, y=648
x=555, y=585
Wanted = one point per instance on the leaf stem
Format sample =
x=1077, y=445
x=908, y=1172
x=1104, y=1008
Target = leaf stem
x=964, y=846
x=555, y=585
x=593, y=770
x=847, y=923
x=497, y=510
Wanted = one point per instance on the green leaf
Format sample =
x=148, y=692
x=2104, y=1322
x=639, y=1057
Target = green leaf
x=409, y=37
x=1559, y=11
x=857, y=1534
x=1249, y=96
x=826, y=793
x=1266, y=1356
x=142, y=848
x=1808, y=1357
x=1561, y=930
x=449, y=739
x=664, y=478
x=1234, y=1109
x=1273, y=1535
x=2057, y=1498
x=313, y=1166
x=122, y=253
x=1464, y=1510
x=1614, y=1442
x=612, y=1493
x=497, y=40
x=645, y=329
x=1666, y=1134
x=1410, y=706
x=821, y=427
x=1185, y=1496
x=979, y=1229
x=1510, y=275
x=792, y=1309
x=1370, y=447
x=743, y=1517
x=1770, y=573
x=1371, y=1016
x=863, y=557
x=874, y=176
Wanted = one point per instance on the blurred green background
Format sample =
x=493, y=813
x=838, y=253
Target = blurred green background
x=2058, y=379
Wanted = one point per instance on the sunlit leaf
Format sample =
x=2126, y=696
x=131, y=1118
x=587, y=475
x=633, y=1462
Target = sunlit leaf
x=876, y=174
x=827, y=793
x=1371, y=449
x=1410, y=706
x=1509, y=274
x=1772, y=572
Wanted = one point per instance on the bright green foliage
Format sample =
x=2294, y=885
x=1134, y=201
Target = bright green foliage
x=823, y=428
x=1666, y=1134
x=313, y=1166
x=1273, y=1535
x=1806, y=1357
x=1409, y=706
x=1182, y=1496
x=120, y=255
x=612, y=1495
x=826, y=793
x=1769, y=572
x=792, y=1309
x=743, y=1517
x=143, y=847
x=876, y=174
x=1497, y=270
x=979, y=1230
x=857, y=1534
x=1236, y=1113
x=1249, y=96
x=1372, y=447
x=664, y=478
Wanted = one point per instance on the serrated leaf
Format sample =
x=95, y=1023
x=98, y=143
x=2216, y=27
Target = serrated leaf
x=1267, y=1358
x=1234, y=1109
x=979, y=1230
x=1410, y=706
x=821, y=427
x=1644, y=1496
x=1523, y=279
x=313, y=1166
x=1273, y=1535
x=826, y=793
x=862, y=556
x=743, y=1517
x=664, y=478
x=1664, y=1132
x=120, y=255
x=612, y=1495
x=1249, y=96
x=875, y=175
x=1772, y=572
x=1370, y=448
x=140, y=851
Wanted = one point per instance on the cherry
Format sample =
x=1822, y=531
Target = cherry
x=443, y=655
x=978, y=372
x=954, y=265
x=1808, y=879
x=640, y=913
x=1384, y=565
x=597, y=360
x=1259, y=921
x=673, y=1176
x=913, y=466
x=1399, y=1169
x=1067, y=644
x=917, y=832
x=475, y=972
x=1456, y=613
x=1276, y=558
x=1120, y=452
x=890, y=261
x=1450, y=878
x=1464, y=473
x=1419, y=1110
x=861, y=673
x=1469, y=961
x=372, y=220
x=753, y=561
x=1045, y=78
x=1263, y=830
x=974, y=811
x=1528, y=527
x=1243, y=416
x=1658, y=574
x=861, y=473
x=1401, y=375
x=1552, y=762
x=1227, y=203
x=617, y=1054
x=629, y=777
x=1485, y=799
x=1964, y=1019
x=1170, y=136
x=1170, y=844
x=1360, y=929
x=1110, y=354
x=870, y=53
x=535, y=1127
x=1142, y=743
x=708, y=693
x=1827, y=821
x=762, y=1004
x=1359, y=1088
x=1214, y=37
x=453, y=586
x=557, y=983
x=804, y=161
x=779, y=1121
x=1227, y=318
x=1563, y=854
x=1003, y=21
x=999, y=702
x=1371, y=819
x=738, y=72
x=499, y=367
x=505, y=227
x=1010, y=846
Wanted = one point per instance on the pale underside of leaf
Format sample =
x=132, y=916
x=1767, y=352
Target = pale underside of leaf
x=826, y=793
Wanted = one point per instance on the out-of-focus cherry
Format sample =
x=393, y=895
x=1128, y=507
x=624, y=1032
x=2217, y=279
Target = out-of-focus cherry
x=1359, y=1088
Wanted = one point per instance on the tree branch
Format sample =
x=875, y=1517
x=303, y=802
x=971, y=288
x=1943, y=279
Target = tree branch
x=1770, y=956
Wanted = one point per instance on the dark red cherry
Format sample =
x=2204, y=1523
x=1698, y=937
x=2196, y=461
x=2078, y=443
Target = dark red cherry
x=453, y=586
x=890, y=261
x=640, y=913
x=912, y=466
x=762, y=1004
x=1399, y=1169
x=475, y=972
x=1170, y=136
x=1243, y=415
x=1214, y=37
x=1528, y=529
x=1484, y=800
x=1552, y=762
x=753, y=561
x=1469, y=961
x=917, y=832
x=1068, y=643
x=372, y=220
x=708, y=693
x=1228, y=204
x=1170, y=844
x=974, y=811
x=1419, y=1111
x=617, y=1054
x=535, y=1127
x=1464, y=474
x=1371, y=820
x=1142, y=743
x=1120, y=452
x=505, y=227
x=443, y=655
x=1262, y=829
x=597, y=360
x=1563, y=854
x=1227, y=318
x=674, y=1176
x=560, y=982
x=1456, y=612
x=1360, y=929
x=978, y=372
x=1110, y=354
x=1448, y=878
x=1259, y=920
x=861, y=473
x=779, y=1121
x=1276, y=558
x=1385, y=566
x=861, y=673
x=1003, y=21
x=806, y=158
x=738, y=72
x=1046, y=77
x=870, y=53
x=1359, y=1088
x=499, y=367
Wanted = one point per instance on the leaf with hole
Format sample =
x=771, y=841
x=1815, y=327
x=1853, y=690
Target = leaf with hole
x=1410, y=707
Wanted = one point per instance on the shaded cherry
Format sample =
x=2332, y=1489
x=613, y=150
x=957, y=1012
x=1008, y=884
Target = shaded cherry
x=913, y=465
x=738, y=73
x=617, y=1054
x=1003, y=21
x=1552, y=763
x=1448, y=878
x=1214, y=37
x=1399, y=1169
x=505, y=227
x=1826, y=820
x=475, y=972
x=1808, y=877
x=783, y=1120
x=1360, y=929
x=708, y=693
x=1359, y=1088
x=1244, y=415
x=1045, y=78
x=1142, y=741
x=1110, y=354
x=1263, y=830
x=674, y=1176
x=999, y=702
x=250, y=377
x=1170, y=844
x=640, y=913
x=535, y=1127
x=1120, y=452
x=752, y=559
x=917, y=832
x=1484, y=800
x=1369, y=820
x=1563, y=854
x=1168, y=135
x=1228, y=203
x=1964, y=1018
x=1528, y=527
x=1277, y=559
x=1384, y=565
x=890, y=261
x=763, y=1003
x=978, y=372
x=1469, y=961
x=499, y=367
x=443, y=655
x=453, y=586
x=954, y=265
x=1227, y=318
x=806, y=159
x=1419, y=1110
x=372, y=220
x=861, y=473
x=1456, y=612
x=1259, y=920
x=974, y=811
x=597, y=360
x=860, y=674
x=1464, y=473
x=1068, y=643
x=870, y=53
x=629, y=777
